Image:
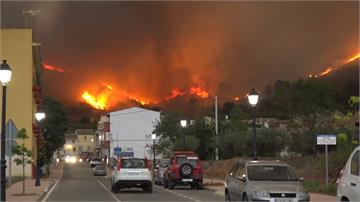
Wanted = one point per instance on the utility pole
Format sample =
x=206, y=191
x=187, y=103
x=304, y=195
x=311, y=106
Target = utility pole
x=216, y=130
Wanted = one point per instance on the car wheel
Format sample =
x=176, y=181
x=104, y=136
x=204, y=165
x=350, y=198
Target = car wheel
x=114, y=188
x=245, y=198
x=227, y=196
x=165, y=184
x=199, y=186
x=171, y=184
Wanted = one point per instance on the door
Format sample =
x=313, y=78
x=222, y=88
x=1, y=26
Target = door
x=240, y=182
x=354, y=179
x=231, y=181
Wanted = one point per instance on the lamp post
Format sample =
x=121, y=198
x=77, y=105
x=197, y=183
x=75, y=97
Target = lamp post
x=5, y=77
x=39, y=115
x=183, y=124
x=153, y=137
x=253, y=99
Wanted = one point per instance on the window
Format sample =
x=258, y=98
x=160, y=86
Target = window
x=85, y=137
x=133, y=163
x=271, y=173
x=241, y=171
x=74, y=149
x=73, y=141
x=234, y=169
x=88, y=148
x=355, y=163
x=80, y=148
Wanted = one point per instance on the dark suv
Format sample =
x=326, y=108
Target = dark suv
x=184, y=169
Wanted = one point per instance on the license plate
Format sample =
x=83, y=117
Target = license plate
x=187, y=180
x=133, y=174
x=283, y=200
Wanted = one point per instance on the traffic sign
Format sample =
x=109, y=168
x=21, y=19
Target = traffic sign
x=326, y=139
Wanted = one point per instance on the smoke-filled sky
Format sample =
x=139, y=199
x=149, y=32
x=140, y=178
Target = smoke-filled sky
x=149, y=48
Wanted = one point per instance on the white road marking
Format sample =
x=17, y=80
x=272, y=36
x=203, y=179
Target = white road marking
x=181, y=195
x=109, y=192
x=51, y=190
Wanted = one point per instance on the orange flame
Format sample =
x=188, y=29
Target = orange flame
x=52, y=68
x=174, y=93
x=98, y=102
x=353, y=58
x=199, y=92
x=236, y=98
x=327, y=71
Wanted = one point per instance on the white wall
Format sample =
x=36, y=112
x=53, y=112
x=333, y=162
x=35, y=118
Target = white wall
x=132, y=128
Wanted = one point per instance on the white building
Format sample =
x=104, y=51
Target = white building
x=130, y=132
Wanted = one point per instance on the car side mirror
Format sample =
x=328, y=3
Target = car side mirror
x=301, y=179
x=242, y=178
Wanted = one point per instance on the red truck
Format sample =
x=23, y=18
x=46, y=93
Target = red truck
x=184, y=169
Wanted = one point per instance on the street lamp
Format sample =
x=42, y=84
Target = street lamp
x=253, y=98
x=39, y=115
x=183, y=124
x=5, y=77
x=153, y=137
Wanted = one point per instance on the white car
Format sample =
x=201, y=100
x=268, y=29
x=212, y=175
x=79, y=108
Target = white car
x=348, y=188
x=132, y=172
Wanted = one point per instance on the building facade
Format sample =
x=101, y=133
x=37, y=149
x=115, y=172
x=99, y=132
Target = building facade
x=130, y=132
x=24, y=91
x=80, y=142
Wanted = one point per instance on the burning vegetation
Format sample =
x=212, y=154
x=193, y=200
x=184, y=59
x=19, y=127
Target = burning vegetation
x=330, y=69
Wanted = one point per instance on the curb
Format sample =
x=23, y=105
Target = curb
x=43, y=194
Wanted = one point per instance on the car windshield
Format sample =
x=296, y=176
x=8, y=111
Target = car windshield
x=100, y=167
x=187, y=159
x=270, y=173
x=134, y=163
x=164, y=163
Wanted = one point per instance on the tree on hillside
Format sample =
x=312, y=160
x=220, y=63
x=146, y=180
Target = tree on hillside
x=168, y=130
x=54, y=126
x=23, y=154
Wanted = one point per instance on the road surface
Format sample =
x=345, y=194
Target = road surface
x=78, y=184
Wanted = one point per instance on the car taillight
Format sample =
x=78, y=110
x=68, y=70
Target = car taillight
x=119, y=165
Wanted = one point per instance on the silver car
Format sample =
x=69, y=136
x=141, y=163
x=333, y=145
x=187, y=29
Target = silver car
x=263, y=181
x=348, y=188
x=99, y=170
x=160, y=169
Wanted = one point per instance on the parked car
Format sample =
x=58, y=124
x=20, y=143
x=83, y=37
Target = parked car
x=96, y=161
x=263, y=181
x=348, y=188
x=132, y=172
x=160, y=170
x=184, y=169
x=99, y=170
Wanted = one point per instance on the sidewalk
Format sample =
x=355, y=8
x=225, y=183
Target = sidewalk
x=217, y=186
x=33, y=193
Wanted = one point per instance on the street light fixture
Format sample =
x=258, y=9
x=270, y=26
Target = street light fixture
x=153, y=137
x=183, y=124
x=5, y=77
x=253, y=98
x=39, y=115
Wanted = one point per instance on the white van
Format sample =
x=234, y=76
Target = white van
x=348, y=188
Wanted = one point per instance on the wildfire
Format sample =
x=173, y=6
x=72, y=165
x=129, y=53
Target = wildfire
x=353, y=58
x=236, y=99
x=174, y=93
x=98, y=102
x=199, y=92
x=331, y=69
x=52, y=68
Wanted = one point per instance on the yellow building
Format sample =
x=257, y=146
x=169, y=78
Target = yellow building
x=80, y=142
x=24, y=93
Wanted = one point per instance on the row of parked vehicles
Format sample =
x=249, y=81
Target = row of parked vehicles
x=253, y=180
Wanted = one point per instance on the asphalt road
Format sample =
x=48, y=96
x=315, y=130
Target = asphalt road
x=79, y=184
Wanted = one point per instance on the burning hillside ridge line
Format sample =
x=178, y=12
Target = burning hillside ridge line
x=53, y=68
x=331, y=69
x=103, y=98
